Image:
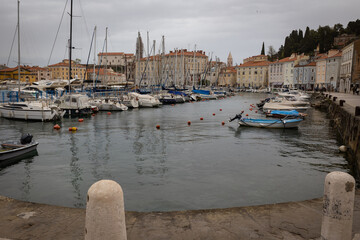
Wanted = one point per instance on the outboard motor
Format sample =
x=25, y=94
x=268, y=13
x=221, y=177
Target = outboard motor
x=237, y=116
x=26, y=138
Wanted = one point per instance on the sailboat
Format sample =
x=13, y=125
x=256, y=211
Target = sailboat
x=37, y=111
x=74, y=105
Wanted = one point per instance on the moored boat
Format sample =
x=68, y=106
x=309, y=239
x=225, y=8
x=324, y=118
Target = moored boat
x=15, y=149
x=267, y=123
x=33, y=111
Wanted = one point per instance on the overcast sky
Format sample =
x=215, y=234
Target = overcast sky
x=217, y=27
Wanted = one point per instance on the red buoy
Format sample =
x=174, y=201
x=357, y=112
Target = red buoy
x=108, y=113
x=220, y=109
x=57, y=127
x=93, y=114
x=189, y=123
x=157, y=126
x=213, y=114
x=247, y=115
x=201, y=118
x=81, y=120
x=223, y=123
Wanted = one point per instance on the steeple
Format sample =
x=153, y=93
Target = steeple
x=229, y=60
x=139, y=47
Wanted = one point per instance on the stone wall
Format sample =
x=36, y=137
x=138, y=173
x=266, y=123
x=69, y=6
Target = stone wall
x=346, y=124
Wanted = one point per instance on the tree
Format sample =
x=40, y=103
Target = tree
x=263, y=49
x=272, y=54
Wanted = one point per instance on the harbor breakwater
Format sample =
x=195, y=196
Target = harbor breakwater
x=346, y=121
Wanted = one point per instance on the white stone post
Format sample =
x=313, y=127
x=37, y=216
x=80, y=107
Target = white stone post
x=105, y=214
x=338, y=206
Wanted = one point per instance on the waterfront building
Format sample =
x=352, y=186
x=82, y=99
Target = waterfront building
x=119, y=62
x=257, y=58
x=28, y=74
x=178, y=68
x=61, y=70
x=333, y=63
x=304, y=75
x=227, y=77
x=212, y=75
x=252, y=74
x=147, y=71
x=320, y=70
x=350, y=66
x=107, y=77
x=281, y=72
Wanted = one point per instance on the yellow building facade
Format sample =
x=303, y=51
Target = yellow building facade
x=61, y=70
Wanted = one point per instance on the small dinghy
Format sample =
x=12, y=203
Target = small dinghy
x=15, y=149
x=267, y=123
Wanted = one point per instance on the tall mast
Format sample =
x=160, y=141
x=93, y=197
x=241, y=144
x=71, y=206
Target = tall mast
x=70, y=43
x=193, y=82
x=19, y=49
x=106, y=80
x=94, y=56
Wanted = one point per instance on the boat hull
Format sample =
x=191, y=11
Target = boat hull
x=270, y=123
x=32, y=115
x=17, y=152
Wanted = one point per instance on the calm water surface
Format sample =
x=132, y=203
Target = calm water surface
x=178, y=167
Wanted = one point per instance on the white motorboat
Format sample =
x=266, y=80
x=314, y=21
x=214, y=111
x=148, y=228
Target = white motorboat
x=36, y=111
x=146, y=101
x=287, y=103
x=75, y=105
x=129, y=101
x=108, y=105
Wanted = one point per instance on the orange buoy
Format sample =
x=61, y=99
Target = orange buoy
x=247, y=115
x=189, y=123
x=172, y=104
x=157, y=126
x=108, y=113
x=223, y=123
x=70, y=128
x=201, y=118
x=57, y=127
x=81, y=120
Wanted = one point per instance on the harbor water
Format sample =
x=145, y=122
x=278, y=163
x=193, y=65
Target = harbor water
x=177, y=167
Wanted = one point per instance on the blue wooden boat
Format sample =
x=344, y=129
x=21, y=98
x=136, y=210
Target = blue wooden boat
x=267, y=123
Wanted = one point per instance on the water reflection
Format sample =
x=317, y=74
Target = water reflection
x=76, y=171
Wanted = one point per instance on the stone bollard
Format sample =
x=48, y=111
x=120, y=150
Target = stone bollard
x=334, y=99
x=105, y=214
x=338, y=206
x=330, y=96
x=357, y=111
x=342, y=103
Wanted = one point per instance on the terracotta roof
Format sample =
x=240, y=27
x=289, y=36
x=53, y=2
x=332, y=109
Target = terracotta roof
x=28, y=68
x=339, y=54
x=63, y=64
x=288, y=59
x=111, y=54
x=151, y=58
x=191, y=54
x=312, y=64
x=255, y=64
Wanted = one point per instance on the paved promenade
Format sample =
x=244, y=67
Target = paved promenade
x=291, y=221
x=351, y=100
